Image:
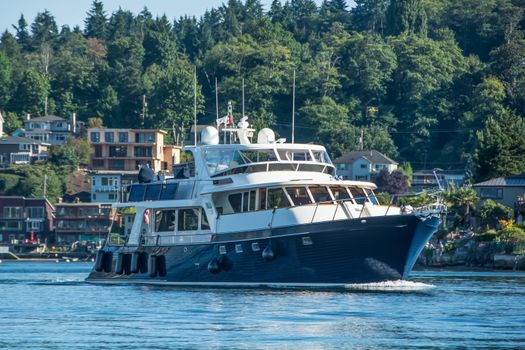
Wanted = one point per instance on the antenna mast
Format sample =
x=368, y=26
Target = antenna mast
x=243, y=97
x=293, y=108
x=195, y=105
x=216, y=99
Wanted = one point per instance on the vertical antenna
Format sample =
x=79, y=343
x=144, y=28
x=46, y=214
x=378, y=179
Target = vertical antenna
x=216, y=99
x=143, y=109
x=243, y=97
x=195, y=105
x=361, y=140
x=293, y=108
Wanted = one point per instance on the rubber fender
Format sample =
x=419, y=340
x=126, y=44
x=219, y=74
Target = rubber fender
x=225, y=264
x=99, y=261
x=119, y=267
x=143, y=262
x=161, y=265
x=152, y=266
x=213, y=266
x=108, y=261
x=134, y=267
x=268, y=254
x=126, y=264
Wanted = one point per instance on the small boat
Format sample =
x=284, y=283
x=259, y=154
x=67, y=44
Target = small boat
x=270, y=213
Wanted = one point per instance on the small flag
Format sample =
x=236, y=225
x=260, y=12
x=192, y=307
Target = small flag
x=146, y=216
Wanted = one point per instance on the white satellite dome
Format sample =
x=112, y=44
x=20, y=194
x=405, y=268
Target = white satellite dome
x=210, y=136
x=265, y=136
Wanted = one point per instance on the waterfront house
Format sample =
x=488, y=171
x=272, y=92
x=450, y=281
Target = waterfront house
x=128, y=149
x=21, y=150
x=423, y=180
x=106, y=185
x=81, y=222
x=363, y=165
x=25, y=221
x=51, y=128
x=506, y=190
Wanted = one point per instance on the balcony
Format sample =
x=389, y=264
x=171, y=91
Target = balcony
x=20, y=158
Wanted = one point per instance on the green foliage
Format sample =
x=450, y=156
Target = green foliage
x=12, y=122
x=72, y=155
x=8, y=182
x=512, y=234
x=420, y=200
x=34, y=180
x=406, y=169
x=487, y=236
x=460, y=203
x=491, y=212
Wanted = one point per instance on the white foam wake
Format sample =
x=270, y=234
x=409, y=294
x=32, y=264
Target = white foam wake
x=392, y=286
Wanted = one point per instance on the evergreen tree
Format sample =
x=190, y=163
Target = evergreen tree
x=44, y=29
x=22, y=34
x=406, y=16
x=96, y=21
x=30, y=94
x=5, y=80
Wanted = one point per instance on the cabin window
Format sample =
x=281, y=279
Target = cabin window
x=205, y=225
x=168, y=191
x=188, y=219
x=236, y=202
x=152, y=192
x=340, y=193
x=295, y=155
x=321, y=156
x=136, y=193
x=358, y=195
x=262, y=198
x=320, y=194
x=299, y=195
x=372, y=197
x=186, y=169
x=165, y=220
x=277, y=198
x=252, y=200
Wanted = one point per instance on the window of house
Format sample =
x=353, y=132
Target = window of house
x=112, y=196
x=12, y=212
x=299, y=195
x=361, y=178
x=98, y=163
x=491, y=192
x=123, y=137
x=188, y=219
x=140, y=138
x=150, y=138
x=108, y=136
x=35, y=212
x=118, y=151
x=104, y=181
x=363, y=166
x=98, y=151
x=116, y=164
x=143, y=151
x=95, y=137
x=33, y=226
x=10, y=225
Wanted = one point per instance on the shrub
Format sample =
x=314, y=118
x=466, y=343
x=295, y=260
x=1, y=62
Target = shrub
x=491, y=213
x=512, y=234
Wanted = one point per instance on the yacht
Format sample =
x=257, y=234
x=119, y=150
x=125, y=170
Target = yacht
x=270, y=213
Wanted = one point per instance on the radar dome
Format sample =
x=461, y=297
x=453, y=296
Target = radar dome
x=266, y=135
x=209, y=136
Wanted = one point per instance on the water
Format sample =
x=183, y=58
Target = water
x=47, y=305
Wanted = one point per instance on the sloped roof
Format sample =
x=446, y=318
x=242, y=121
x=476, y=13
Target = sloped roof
x=16, y=140
x=372, y=156
x=47, y=118
x=507, y=181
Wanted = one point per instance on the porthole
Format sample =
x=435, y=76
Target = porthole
x=222, y=249
x=307, y=241
x=238, y=248
x=255, y=247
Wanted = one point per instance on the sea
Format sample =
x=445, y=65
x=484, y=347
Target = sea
x=47, y=305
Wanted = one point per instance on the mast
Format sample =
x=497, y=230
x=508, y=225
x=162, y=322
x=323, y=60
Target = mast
x=195, y=105
x=243, y=97
x=216, y=99
x=293, y=108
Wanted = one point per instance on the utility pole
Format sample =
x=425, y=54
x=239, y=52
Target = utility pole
x=362, y=140
x=144, y=105
x=293, y=108
x=195, y=105
x=45, y=185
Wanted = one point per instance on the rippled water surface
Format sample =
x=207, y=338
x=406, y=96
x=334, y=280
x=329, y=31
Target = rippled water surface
x=47, y=305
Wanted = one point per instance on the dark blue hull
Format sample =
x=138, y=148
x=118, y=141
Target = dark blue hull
x=374, y=249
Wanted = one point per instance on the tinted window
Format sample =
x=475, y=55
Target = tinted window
x=152, y=192
x=340, y=193
x=277, y=198
x=235, y=202
x=358, y=195
x=205, y=225
x=136, y=194
x=168, y=191
x=188, y=220
x=165, y=220
x=299, y=195
x=320, y=194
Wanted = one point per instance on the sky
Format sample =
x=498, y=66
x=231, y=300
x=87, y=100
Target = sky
x=73, y=12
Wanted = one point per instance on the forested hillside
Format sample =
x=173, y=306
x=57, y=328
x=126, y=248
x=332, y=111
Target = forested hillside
x=439, y=83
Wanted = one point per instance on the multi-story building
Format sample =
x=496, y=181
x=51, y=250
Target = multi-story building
x=428, y=179
x=363, y=165
x=128, y=149
x=81, y=222
x=21, y=150
x=26, y=221
x=106, y=185
x=51, y=128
